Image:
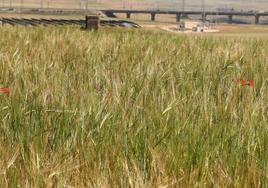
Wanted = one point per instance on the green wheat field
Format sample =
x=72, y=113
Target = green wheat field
x=132, y=108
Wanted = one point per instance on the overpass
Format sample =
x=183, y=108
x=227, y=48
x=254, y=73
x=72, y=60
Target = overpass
x=179, y=14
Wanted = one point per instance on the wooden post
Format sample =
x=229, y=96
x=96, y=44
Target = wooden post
x=92, y=22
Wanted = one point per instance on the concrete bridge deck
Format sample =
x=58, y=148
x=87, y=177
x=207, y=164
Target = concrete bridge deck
x=179, y=14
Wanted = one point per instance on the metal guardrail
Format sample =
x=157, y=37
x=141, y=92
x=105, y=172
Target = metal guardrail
x=46, y=22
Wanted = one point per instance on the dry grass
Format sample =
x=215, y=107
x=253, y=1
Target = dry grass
x=132, y=108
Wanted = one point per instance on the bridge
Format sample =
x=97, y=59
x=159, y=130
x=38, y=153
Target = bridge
x=179, y=14
x=153, y=13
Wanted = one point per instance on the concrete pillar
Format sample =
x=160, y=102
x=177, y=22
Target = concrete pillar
x=230, y=19
x=178, y=17
x=128, y=15
x=152, y=16
x=257, y=19
x=204, y=17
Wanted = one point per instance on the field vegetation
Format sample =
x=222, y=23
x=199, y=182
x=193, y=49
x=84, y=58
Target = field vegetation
x=132, y=108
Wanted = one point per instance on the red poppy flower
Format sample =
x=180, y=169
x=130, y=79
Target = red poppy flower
x=5, y=91
x=243, y=82
x=251, y=83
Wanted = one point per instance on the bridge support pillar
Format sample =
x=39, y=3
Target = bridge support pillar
x=257, y=19
x=128, y=15
x=152, y=16
x=230, y=19
x=178, y=17
x=204, y=17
